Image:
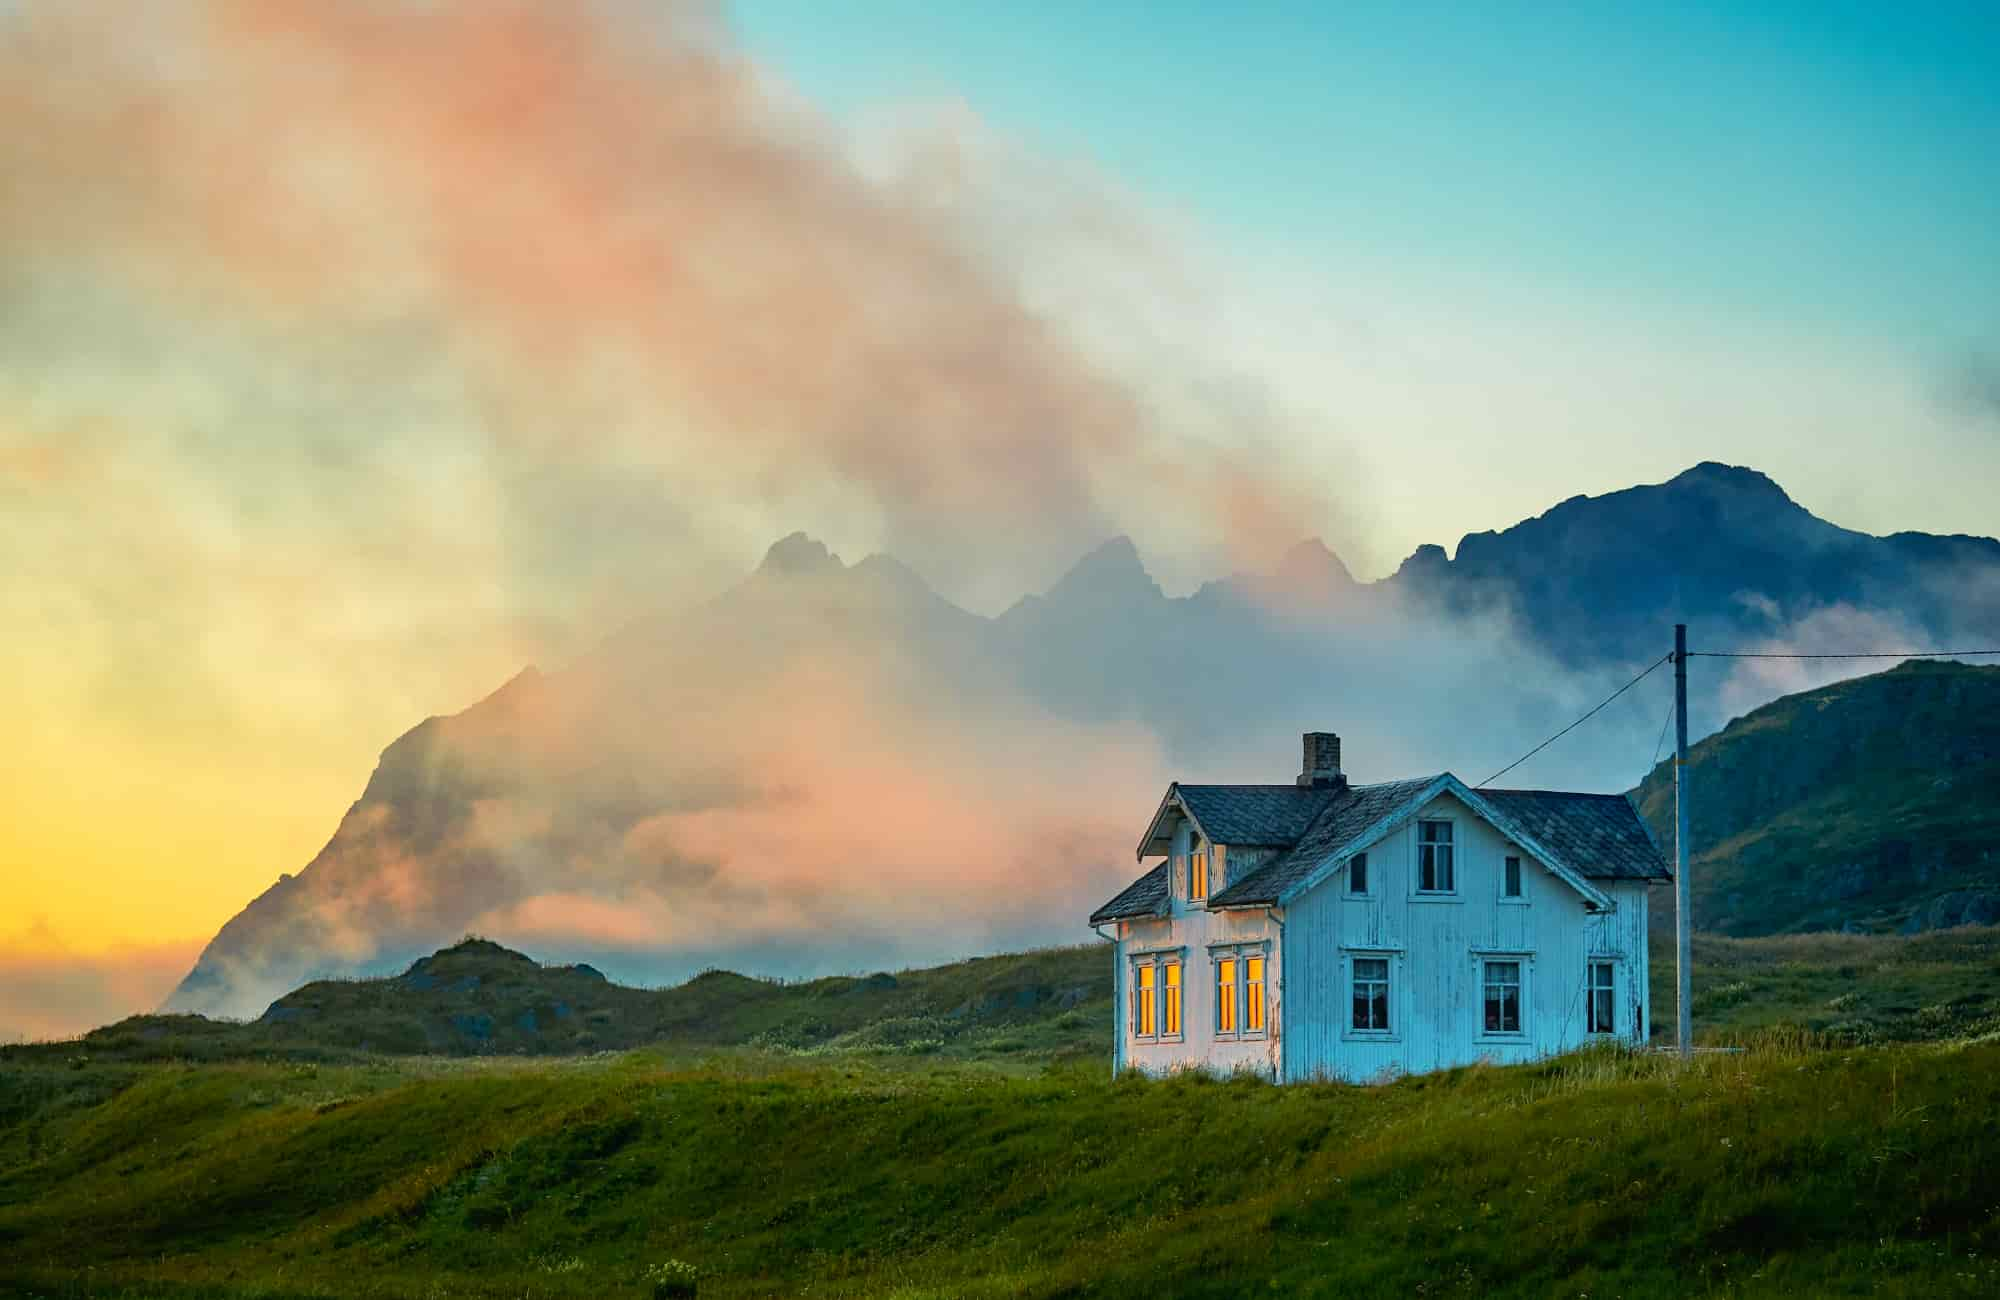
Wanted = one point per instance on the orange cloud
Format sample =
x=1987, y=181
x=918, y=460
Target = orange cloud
x=356, y=353
x=627, y=241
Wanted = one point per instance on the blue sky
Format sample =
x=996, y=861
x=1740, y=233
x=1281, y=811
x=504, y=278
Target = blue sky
x=1826, y=161
x=1609, y=240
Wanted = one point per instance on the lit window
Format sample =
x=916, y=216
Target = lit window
x=1503, y=997
x=1371, y=994
x=1170, y=998
x=1510, y=878
x=1253, y=995
x=1603, y=1009
x=1197, y=869
x=1434, y=864
x=1225, y=995
x=1357, y=874
x=1144, y=1023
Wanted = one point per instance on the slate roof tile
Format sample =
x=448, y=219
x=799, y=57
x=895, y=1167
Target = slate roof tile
x=1598, y=835
x=1339, y=821
x=1262, y=815
x=1146, y=896
x=1601, y=835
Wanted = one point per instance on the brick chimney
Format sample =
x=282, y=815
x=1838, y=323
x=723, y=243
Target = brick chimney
x=1321, y=762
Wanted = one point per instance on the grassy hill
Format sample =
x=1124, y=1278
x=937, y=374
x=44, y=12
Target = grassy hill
x=1846, y=989
x=1018, y=1011
x=477, y=998
x=954, y=1132
x=1778, y=1171
x=1871, y=804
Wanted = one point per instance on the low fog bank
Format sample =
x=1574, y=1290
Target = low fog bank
x=47, y=992
x=831, y=768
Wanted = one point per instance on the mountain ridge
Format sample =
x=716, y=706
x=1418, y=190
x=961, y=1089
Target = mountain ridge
x=1870, y=804
x=681, y=787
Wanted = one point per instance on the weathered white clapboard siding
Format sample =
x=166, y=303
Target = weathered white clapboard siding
x=1435, y=947
x=1193, y=930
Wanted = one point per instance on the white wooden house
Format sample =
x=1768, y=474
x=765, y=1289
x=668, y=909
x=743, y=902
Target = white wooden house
x=1325, y=930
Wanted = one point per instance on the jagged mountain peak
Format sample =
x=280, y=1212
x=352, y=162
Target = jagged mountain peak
x=799, y=555
x=1313, y=561
x=1112, y=571
x=886, y=568
x=1713, y=475
x=1428, y=560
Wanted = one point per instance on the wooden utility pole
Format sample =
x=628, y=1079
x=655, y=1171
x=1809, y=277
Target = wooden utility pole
x=1683, y=918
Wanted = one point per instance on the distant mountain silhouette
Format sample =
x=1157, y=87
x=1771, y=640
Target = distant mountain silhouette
x=1719, y=547
x=742, y=782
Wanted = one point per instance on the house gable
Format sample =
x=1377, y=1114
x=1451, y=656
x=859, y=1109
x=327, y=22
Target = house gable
x=1282, y=840
x=1159, y=836
x=1329, y=858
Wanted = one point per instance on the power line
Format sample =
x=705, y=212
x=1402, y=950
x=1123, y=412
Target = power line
x=1574, y=725
x=1727, y=654
x=1858, y=654
x=1664, y=724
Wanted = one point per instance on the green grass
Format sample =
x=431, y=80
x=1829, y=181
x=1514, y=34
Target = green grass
x=1783, y=1170
x=1846, y=988
x=953, y=1133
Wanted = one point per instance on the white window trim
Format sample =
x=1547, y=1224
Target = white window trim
x=1481, y=1034
x=1239, y=951
x=1590, y=993
x=1418, y=894
x=1500, y=883
x=1155, y=957
x=1394, y=1033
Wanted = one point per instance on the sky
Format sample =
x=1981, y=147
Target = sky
x=1616, y=239
x=354, y=355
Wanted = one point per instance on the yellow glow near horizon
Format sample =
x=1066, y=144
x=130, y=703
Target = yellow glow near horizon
x=110, y=845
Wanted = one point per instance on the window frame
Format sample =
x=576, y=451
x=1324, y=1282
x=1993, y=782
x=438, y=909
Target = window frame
x=1449, y=843
x=1591, y=988
x=1241, y=953
x=1392, y=959
x=1223, y=1003
x=1367, y=889
x=1155, y=960
x=1523, y=964
x=1520, y=869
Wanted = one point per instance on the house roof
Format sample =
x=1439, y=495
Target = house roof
x=1254, y=814
x=1270, y=816
x=1146, y=896
x=1579, y=837
x=1349, y=811
x=1602, y=834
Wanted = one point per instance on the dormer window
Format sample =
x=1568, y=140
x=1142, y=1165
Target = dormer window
x=1197, y=869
